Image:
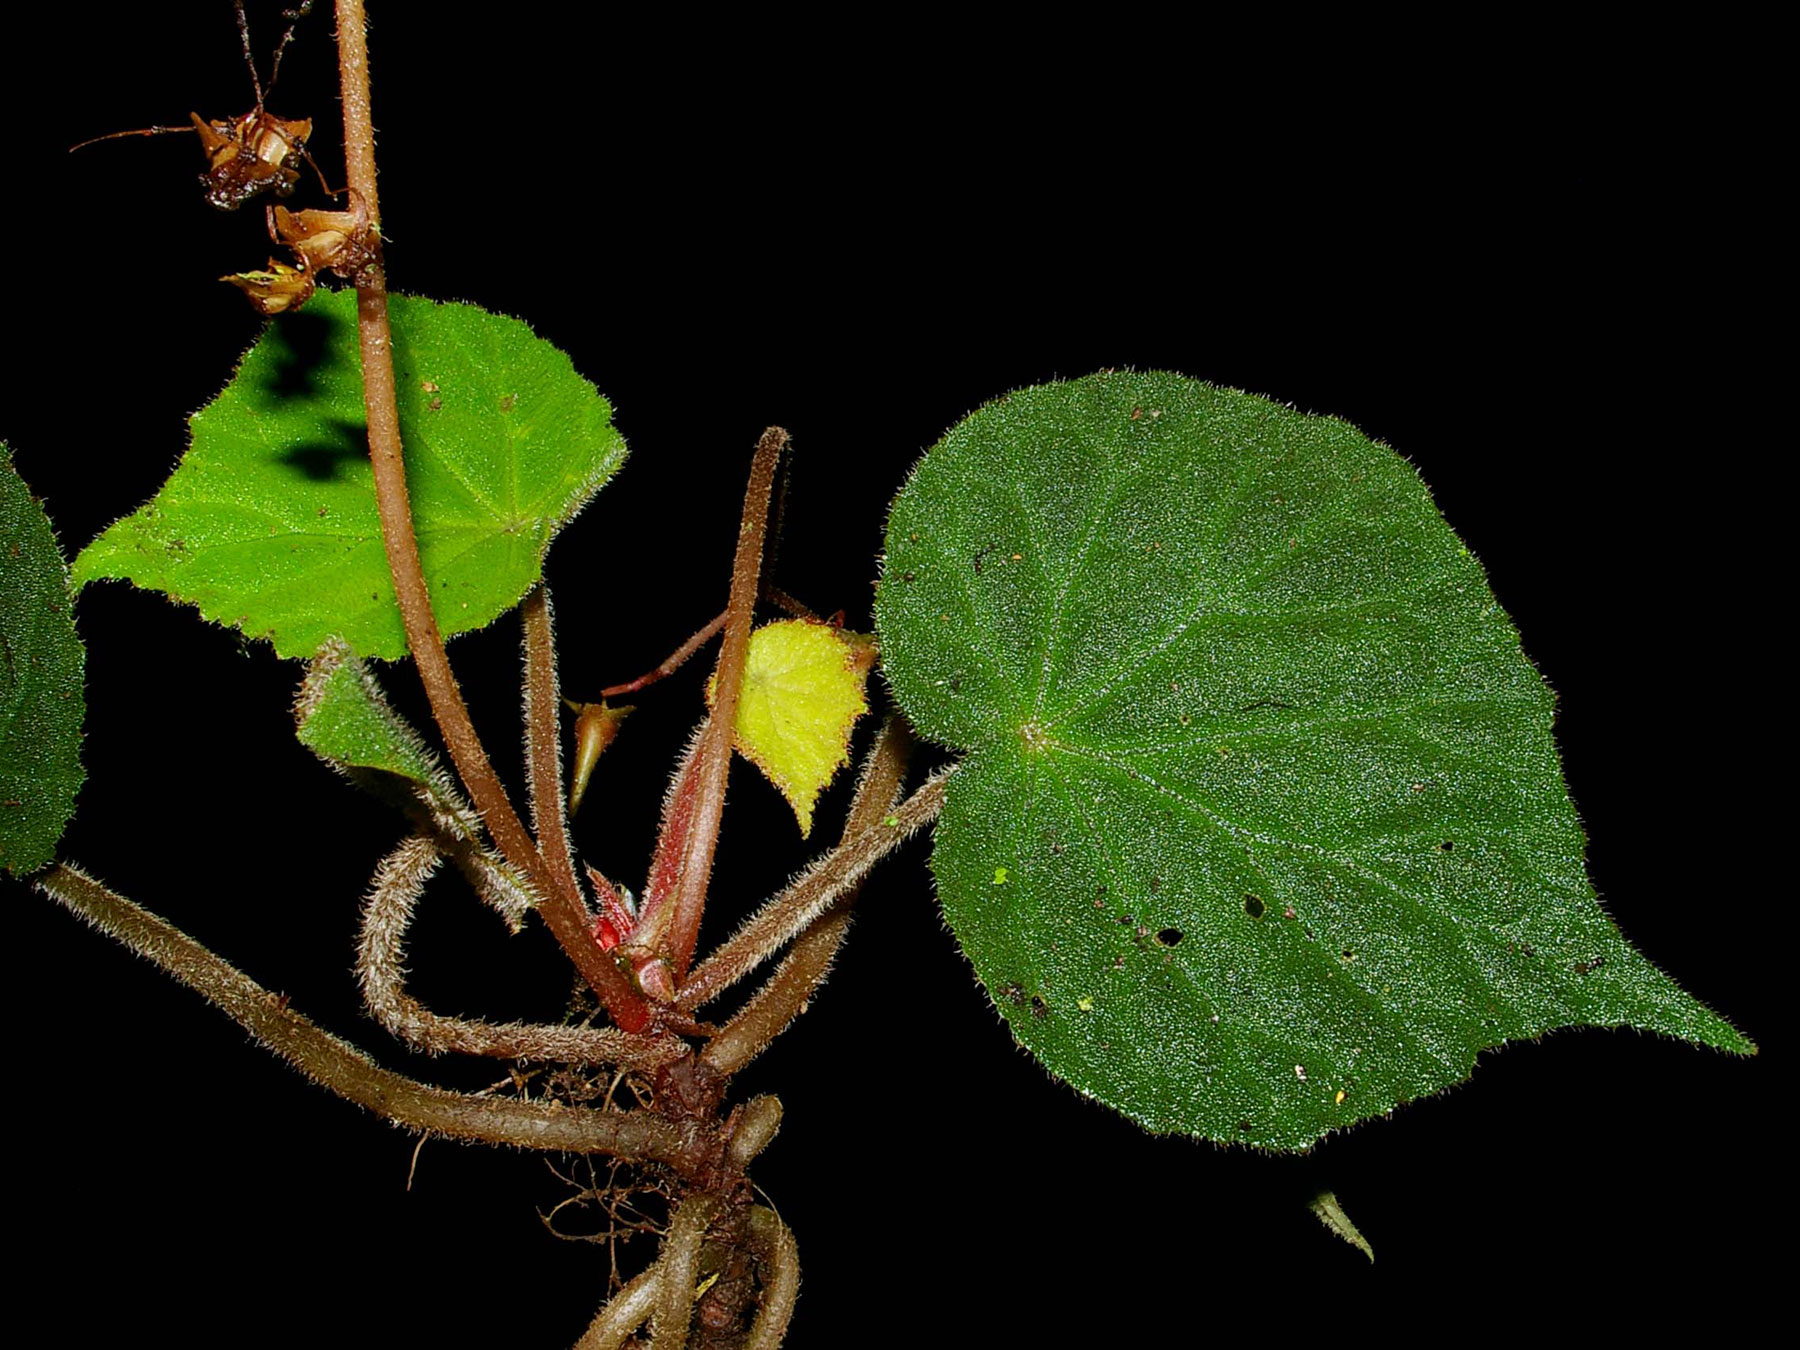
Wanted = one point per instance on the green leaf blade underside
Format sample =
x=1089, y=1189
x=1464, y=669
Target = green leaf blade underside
x=342, y=716
x=41, y=668
x=269, y=523
x=1261, y=802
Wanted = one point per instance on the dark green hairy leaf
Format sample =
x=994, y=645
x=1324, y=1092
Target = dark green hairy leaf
x=41, y=663
x=1261, y=829
x=269, y=523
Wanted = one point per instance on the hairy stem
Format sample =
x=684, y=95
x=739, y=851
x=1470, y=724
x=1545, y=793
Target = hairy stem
x=757, y=1123
x=713, y=759
x=543, y=738
x=624, y=1313
x=680, y=1262
x=781, y=1279
x=381, y=972
x=345, y=1070
x=800, y=973
x=789, y=913
x=563, y=908
x=676, y=894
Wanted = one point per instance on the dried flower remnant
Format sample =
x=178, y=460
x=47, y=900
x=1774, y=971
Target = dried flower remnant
x=275, y=291
x=249, y=155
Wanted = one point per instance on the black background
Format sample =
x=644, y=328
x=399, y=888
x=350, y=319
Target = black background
x=1532, y=262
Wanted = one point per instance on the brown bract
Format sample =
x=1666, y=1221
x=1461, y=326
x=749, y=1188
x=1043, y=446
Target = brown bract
x=328, y=241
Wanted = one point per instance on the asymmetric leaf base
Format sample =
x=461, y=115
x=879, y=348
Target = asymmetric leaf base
x=1261, y=829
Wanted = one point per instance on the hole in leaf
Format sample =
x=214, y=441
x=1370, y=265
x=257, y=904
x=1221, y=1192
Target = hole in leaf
x=1254, y=907
x=1447, y=845
x=1168, y=937
x=1039, y=1008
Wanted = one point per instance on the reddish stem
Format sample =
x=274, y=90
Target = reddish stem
x=669, y=923
x=773, y=594
x=670, y=666
x=795, y=909
x=543, y=738
x=563, y=909
x=798, y=977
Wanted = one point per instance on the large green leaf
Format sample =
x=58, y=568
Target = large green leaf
x=1261, y=829
x=41, y=662
x=269, y=522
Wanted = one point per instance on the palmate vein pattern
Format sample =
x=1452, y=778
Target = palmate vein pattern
x=1262, y=828
x=269, y=523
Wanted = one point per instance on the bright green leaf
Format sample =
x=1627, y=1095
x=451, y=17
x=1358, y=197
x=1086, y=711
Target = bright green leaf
x=1270, y=781
x=269, y=523
x=803, y=691
x=41, y=663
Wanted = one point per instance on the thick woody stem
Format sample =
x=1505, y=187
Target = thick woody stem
x=563, y=907
x=789, y=913
x=781, y=1279
x=624, y=1313
x=680, y=1261
x=757, y=1123
x=807, y=963
x=345, y=1070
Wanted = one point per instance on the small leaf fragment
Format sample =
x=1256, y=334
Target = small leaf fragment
x=804, y=688
x=342, y=716
x=1331, y=1214
x=269, y=524
x=41, y=667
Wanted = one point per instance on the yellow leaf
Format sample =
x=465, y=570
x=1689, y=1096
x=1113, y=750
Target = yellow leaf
x=803, y=691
